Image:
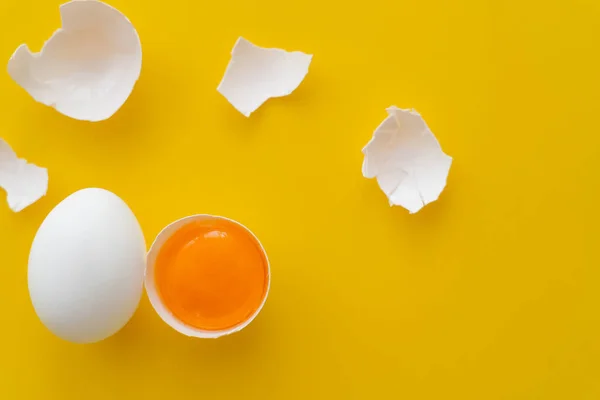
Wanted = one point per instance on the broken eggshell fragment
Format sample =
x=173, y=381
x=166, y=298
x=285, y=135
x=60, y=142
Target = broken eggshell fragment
x=23, y=182
x=153, y=291
x=255, y=74
x=407, y=160
x=88, y=68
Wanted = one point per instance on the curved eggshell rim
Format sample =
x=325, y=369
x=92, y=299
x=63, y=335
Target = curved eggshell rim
x=154, y=297
x=19, y=71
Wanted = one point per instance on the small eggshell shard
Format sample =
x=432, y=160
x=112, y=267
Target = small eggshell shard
x=407, y=160
x=86, y=266
x=256, y=74
x=23, y=182
x=88, y=68
x=153, y=290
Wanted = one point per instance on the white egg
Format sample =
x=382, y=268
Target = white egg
x=86, y=266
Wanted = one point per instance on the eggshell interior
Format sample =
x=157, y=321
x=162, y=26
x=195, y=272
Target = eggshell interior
x=246, y=85
x=407, y=160
x=88, y=68
x=24, y=183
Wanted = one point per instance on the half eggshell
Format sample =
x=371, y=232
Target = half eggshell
x=88, y=68
x=153, y=293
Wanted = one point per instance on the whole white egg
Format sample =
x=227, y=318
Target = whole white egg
x=86, y=266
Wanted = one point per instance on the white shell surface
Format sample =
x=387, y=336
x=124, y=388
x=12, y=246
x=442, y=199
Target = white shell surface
x=88, y=68
x=255, y=74
x=156, y=300
x=407, y=160
x=24, y=183
x=86, y=266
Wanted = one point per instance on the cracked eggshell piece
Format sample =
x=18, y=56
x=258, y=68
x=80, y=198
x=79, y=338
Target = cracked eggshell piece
x=24, y=183
x=88, y=68
x=407, y=160
x=256, y=74
x=153, y=292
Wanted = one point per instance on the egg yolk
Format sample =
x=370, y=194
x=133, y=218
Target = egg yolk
x=212, y=274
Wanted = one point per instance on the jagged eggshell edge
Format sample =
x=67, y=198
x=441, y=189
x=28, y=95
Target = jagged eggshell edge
x=19, y=65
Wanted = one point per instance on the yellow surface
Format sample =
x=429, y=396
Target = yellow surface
x=490, y=293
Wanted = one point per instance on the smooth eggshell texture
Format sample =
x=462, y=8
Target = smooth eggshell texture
x=86, y=266
x=88, y=68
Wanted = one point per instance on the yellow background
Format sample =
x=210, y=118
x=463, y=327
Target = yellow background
x=489, y=293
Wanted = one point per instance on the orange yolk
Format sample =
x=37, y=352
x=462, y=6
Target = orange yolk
x=212, y=274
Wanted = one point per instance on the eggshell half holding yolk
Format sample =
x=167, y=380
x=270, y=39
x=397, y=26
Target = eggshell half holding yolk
x=207, y=276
